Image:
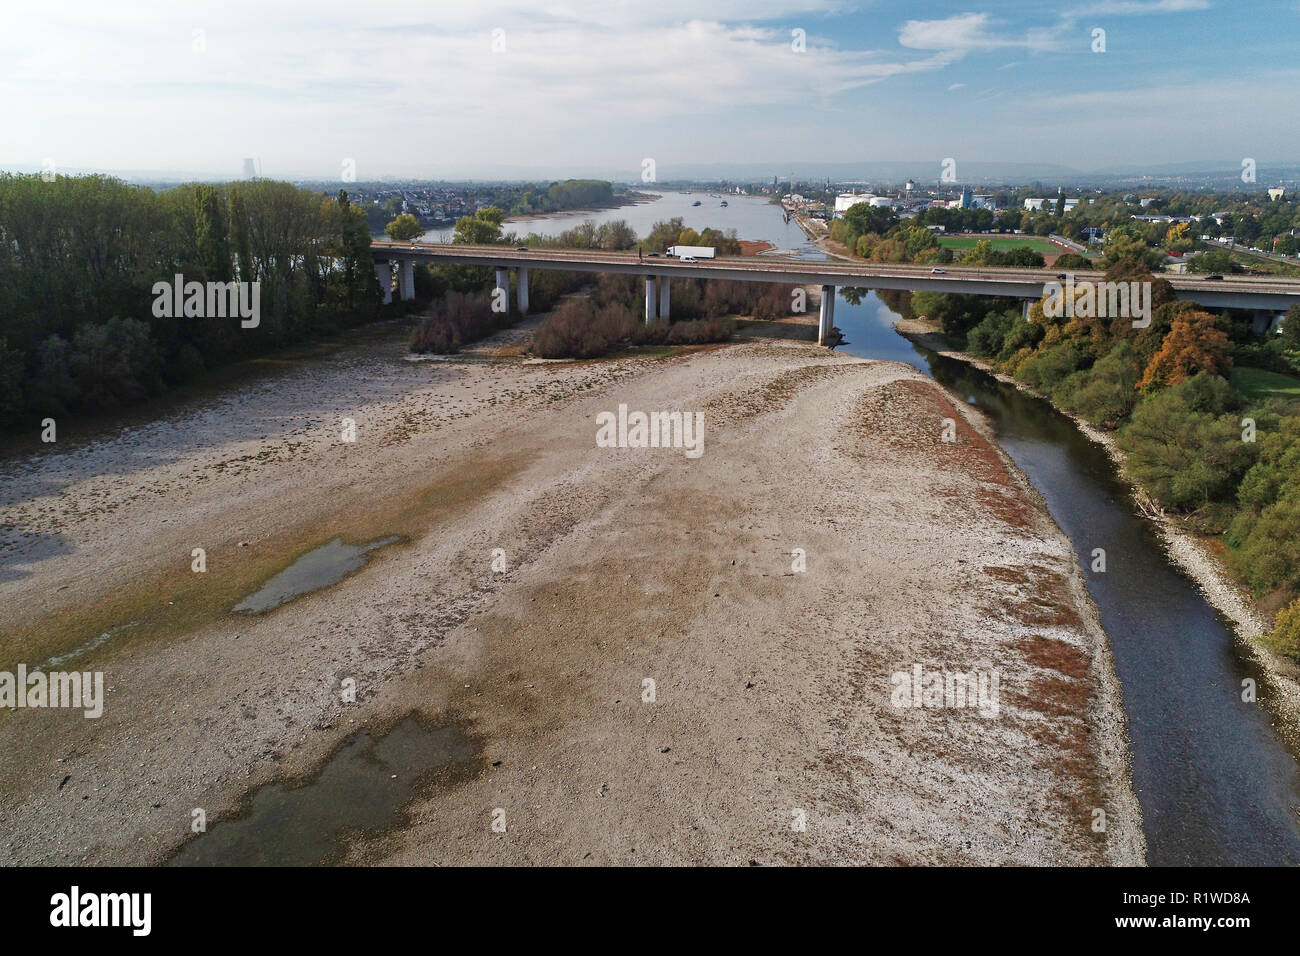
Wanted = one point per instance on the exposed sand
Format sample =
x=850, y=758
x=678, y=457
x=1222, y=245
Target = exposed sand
x=773, y=690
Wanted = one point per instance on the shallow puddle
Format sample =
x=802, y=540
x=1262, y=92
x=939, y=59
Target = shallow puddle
x=326, y=565
x=360, y=792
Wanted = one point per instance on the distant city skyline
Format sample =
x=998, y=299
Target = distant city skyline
x=514, y=89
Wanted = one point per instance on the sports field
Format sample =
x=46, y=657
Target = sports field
x=1003, y=243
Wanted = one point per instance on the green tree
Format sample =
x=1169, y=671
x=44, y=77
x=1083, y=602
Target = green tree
x=404, y=228
x=483, y=228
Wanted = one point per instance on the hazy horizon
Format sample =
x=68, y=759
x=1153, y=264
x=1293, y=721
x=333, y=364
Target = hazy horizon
x=319, y=91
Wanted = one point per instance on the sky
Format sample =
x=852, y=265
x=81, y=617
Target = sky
x=516, y=88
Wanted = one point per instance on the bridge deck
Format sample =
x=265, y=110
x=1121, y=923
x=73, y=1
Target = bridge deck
x=1253, y=292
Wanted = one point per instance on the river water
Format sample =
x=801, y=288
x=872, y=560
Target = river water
x=752, y=218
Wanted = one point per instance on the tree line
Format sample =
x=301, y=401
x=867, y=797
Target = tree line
x=80, y=258
x=1223, y=460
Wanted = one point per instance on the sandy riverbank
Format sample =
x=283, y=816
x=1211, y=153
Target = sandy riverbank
x=1203, y=567
x=639, y=199
x=773, y=699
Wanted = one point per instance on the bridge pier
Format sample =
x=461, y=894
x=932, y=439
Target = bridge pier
x=1025, y=306
x=503, y=286
x=651, y=298
x=665, y=284
x=406, y=279
x=521, y=290
x=826, y=318
x=384, y=273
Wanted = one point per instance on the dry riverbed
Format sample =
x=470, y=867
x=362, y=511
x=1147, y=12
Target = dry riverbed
x=570, y=653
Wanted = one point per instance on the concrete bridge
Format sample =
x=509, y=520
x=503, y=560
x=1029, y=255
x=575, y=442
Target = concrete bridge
x=1264, y=295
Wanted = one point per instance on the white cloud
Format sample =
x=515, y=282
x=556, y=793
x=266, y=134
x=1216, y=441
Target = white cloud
x=970, y=32
x=956, y=86
x=311, y=84
x=1137, y=7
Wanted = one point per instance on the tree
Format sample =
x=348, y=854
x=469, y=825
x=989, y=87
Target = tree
x=1290, y=334
x=482, y=228
x=1194, y=344
x=210, y=236
x=1127, y=242
x=1184, y=446
x=404, y=228
x=1214, y=261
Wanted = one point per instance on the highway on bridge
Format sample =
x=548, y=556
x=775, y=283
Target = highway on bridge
x=1265, y=293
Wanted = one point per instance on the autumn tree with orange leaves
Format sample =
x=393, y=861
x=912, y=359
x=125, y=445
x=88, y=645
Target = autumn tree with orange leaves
x=1194, y=344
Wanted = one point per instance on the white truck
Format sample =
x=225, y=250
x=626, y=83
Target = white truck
x=691, y=252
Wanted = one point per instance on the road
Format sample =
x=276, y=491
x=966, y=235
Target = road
x=1250, y=292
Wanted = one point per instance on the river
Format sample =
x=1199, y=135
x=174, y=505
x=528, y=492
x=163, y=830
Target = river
x=1215, y=784
x=752, y=217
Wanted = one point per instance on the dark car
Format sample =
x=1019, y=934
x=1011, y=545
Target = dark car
x=521, y=248
x=1062, y=275
x=652, y=255
x=1216, y=277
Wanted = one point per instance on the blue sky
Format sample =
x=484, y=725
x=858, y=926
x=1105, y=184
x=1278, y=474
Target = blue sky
x=413, y=87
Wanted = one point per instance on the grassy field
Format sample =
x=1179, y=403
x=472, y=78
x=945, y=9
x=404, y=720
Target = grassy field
x=1002, y=243
x=1258, y=384
x=1264, y=265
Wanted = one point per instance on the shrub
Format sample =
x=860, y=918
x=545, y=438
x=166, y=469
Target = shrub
x=1184, y=447
x=987, y=338
x=696, y=332
x=1105, y=394
x=580, y=328
x=1072, y=260
x=1285, y=638
x=1050, y=365
x=457, y=320
x=114, y=363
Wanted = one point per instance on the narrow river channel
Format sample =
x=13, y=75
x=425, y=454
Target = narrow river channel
x=1215, y=783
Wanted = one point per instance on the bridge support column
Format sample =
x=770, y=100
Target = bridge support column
x=1025, y=306
x=503, y=287
x=665, y=284
x=651, y=298
x=384, y=273
x=406, y=279
x=521, y=290
x=827, y=316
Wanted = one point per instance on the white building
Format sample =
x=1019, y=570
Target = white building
x=846, y=201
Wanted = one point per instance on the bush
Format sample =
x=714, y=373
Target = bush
x=455, y=321
x=1285, y=638
x=1072, y=260
x=697, y=332
x=114, y=363
x=1105, y=394
x=987, y=338
x=1050, y=365
x=1184, y=447
x=580, y=328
